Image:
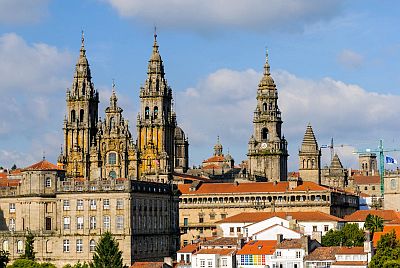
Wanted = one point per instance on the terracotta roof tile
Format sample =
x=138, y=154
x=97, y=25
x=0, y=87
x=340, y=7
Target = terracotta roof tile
x=322, y=254
x=221, y=241
x=250, y=187
x=289, y=244
x=258, y=247
x=3, y=175
x=386, y=229
x=216, y=158
x=361, y=215
x=211, y=166
x=188, y=248
x=6, y=182
x=361, y=179
x=252, y=217
x=351, y=251
x=42, y=165
x=220, y=251
x=147, y=264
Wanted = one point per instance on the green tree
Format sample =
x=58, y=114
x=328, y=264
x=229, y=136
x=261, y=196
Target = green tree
x=29, y=254
x=4, y=259
x=373, y=224
x=24, y=263
x=77, y=265
x=14, y=167
x=387, y=251
x=350, y=236
x=107, y=253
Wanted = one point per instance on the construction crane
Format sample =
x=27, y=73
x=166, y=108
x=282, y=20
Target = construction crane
x=381, y=152
x=331, y=147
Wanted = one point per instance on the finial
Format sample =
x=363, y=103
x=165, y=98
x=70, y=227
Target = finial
x=266, y=66
x=155, y=33
x=61, y=149
x=83, y=38
x=218, y=139
x=44, y=155
x=113, y=85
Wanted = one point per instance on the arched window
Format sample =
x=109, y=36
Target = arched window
x=81, y=114
x=92, y=245
x=5, y=245
x=264, y=134
x=112, y=174
x=49, y=246
x=308, y=163
x=313, y=163
x=155, y=112
x=20, y=246
x=265, y=106
x=112, y=122
x=72, y=116
x=304, y=163
x=112, y=158
x=147, y=113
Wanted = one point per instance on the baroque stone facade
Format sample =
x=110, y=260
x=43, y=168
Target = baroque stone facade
x=267, y=152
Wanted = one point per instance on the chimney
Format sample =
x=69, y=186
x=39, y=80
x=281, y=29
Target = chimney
x=292, y=183
x=279, y=238
x=317, y=236
x=305, y=242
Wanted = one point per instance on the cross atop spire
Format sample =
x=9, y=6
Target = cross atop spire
x=83, y=38
x=113, y=98
x=266, y=66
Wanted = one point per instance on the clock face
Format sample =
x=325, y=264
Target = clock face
x=263, y=145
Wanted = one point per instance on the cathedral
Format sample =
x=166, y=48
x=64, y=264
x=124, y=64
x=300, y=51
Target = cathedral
x=95, y=148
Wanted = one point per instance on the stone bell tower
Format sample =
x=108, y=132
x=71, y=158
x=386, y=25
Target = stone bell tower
x=310, y=158
x=80, y=123
x=267, y=152
x=156, y=123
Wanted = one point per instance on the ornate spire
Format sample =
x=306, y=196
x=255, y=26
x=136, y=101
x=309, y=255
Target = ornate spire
x=309, y=140
x=267, y=79
x=155, y=62
x=266, y=65
x=113, y=98
x=336, y=163
x=83, y=50
x=218, y=148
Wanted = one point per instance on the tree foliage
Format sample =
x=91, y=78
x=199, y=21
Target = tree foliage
x=373, y=223
x=4, y=259
x=29, y=253
x=24, y=263
x=350, y=236
x=387, y=252
x=77, y=265
x=107, y=253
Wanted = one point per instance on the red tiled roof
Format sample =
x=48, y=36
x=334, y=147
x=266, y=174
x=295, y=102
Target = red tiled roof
x=289, y=244
x=147, y=264
x=361, y=215
x=188, y=248
x=6, y=182
x=211, y=166
x=216, y=158
x=189, y=177
x=42, y=165
x=386, y=229
x=250, y=187
x=220, y=251
x=15, y=171
x=351, y=251
x=322, y=254
x=361, y=179
x=252, y=217
x=258, y=247
x=350, y=263
x=3, y=175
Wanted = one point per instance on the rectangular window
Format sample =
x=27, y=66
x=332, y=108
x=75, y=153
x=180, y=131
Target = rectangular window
x=223, y=216
x=298, y=254
x=314, y=228
x=106, y=222
x=66, y=245
x=79, y=245
x=106, y=204
x=12, y=207
x=238, y=229
x=66, y=204
x=79, y=223
x=201, y=219
x=120, y=203
x=48, y=182
x=79, y=204
x=202, y=263
x=92, y=222
x=326, y=228
x=11, y=224
x=231, y=229
x=224, y=262
x=212, y=216
x=93, y=205
x=185, y=222
x=120, y=222
x=278, y=253
x=67, y=223
x=210, y=263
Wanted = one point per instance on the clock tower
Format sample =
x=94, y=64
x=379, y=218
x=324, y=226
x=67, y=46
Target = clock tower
x=267, y=147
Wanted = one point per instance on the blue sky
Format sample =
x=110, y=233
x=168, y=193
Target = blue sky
x=335, y=64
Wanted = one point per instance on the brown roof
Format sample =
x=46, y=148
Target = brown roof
x=216, y=158
x=212, y=166
x=220, y=251
x=258, y=247
x=361, y=179
x=7, y=182
x=322, y=254
x=147, y=264
x=42, y=165
x=3, y=175
x=250, y=187
x=350, y=263
x=188, y=248
x=252, y=217
x=361, y=215
x=222, y=241
x=289, y=244
x=351, y=251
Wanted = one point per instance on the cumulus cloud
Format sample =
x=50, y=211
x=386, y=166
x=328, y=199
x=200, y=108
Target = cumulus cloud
x=350, y=59
x=22, y=11
x=33, y=80
x=206, y=15
x=225, y=100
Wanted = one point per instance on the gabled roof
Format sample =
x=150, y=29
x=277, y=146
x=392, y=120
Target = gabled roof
x=361, y=215
x=250, y=187
x=219, y=251
x=322, y=254
x=273, y=226
x=191, y=248
x=216, y=158
x=361, y=179
x=42, y=165
x=258, y=247
x=252, y=217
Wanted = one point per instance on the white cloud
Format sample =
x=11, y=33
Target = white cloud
x=350, y=59
x=22, y=11
x=206, y=15
x=225, y=100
